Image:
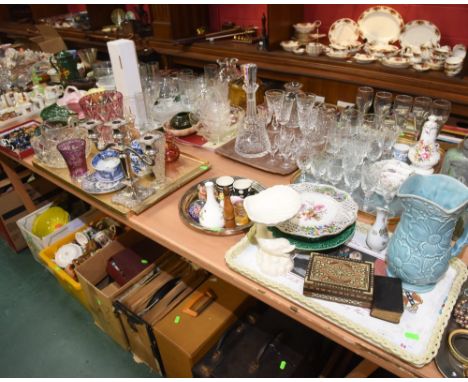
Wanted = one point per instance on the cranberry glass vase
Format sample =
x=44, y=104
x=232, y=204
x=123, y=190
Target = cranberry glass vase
x=73, y=151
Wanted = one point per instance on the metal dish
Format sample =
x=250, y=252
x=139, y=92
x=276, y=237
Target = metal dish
x=192, y=195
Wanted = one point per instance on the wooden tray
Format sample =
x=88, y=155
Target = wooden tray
x=227, y=150
x=178, y=173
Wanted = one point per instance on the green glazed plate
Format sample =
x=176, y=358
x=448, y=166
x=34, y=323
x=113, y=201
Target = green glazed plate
x=324, y=244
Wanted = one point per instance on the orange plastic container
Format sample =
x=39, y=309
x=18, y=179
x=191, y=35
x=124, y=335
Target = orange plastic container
x=47, y=255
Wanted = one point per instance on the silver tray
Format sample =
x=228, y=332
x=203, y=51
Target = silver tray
x=192, y=194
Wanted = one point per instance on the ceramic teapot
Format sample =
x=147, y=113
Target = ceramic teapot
x=419, y=251
x=66, y=65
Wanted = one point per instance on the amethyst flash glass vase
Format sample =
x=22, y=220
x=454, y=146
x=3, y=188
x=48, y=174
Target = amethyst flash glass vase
x=73, y=151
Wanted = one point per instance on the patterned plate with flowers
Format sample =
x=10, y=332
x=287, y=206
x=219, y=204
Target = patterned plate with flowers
x=325, y=211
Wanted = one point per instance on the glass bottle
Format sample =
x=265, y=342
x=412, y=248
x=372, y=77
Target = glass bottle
x=252, y=138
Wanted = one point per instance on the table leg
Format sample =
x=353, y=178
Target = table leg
x=18, y=185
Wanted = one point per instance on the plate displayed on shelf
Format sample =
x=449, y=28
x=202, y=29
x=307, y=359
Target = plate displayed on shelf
x=424, y=67
x=327, y=243
x=341, y=55
x=344, y=32
x=419, y=32
x=380, y=24
x=396, y=62
x=363, y=58
x=92, y=185
x=325, y=211
x=190, y=206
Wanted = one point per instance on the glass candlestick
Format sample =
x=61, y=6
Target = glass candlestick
x=252, y=138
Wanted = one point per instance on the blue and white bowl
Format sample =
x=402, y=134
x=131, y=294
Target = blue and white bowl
x=108, y=167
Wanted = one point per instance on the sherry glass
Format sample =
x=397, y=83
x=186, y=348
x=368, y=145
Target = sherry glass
x=352, y=178
x=274, y=137
x=275, y=98
x=334, y=171
x=421, y=108
x=382, y=104
x=364, y=97
x=441, y=109
x=303, y=156
x=390, y=133
x=285, y=110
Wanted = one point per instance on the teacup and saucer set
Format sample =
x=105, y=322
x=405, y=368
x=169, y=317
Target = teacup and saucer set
x=108, y=174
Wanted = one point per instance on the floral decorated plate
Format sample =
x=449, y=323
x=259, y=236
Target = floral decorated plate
x=380, y=24
x=344, y=32
x=325, y=211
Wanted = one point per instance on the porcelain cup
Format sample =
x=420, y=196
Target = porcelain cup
x=314, y=48
x=400, y=152
x=242, y=187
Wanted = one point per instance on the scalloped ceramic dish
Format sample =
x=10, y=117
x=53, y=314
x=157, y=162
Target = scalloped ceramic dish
x=344, y=32
x=324, y=211
x=303, y=244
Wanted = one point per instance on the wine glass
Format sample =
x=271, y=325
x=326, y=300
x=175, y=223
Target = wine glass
x=382, y=104
x=352, y=178
x=274, y=145
x=364, y=97
x=401, y=109
x=285, y=110
x=441, y=109
x=350, y=121
x=421, y=108
x=368, y=184
x=275, y=98
x=334, y=171
x=303, y=156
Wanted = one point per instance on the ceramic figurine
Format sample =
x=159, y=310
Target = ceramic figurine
x=425, y=154
x=419, y=251
x=211, y=215
x=377, y=237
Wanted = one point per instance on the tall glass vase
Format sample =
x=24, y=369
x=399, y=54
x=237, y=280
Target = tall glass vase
x=252, y=139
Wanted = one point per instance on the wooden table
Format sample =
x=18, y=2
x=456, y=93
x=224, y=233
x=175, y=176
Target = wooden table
x=162, y=224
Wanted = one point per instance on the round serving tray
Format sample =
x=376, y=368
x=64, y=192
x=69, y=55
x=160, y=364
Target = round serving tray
x=192, y=194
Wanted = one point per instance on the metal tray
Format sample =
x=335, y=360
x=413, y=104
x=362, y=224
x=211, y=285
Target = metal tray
x=192, y=195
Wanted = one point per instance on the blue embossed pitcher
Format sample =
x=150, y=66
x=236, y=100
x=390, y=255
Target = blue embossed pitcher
x=419, y=250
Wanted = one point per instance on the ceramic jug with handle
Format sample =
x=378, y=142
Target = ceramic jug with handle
x=420, y=249
x=66, y=65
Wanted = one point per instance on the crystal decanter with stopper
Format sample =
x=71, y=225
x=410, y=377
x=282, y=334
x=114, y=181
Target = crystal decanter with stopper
x=252, y=138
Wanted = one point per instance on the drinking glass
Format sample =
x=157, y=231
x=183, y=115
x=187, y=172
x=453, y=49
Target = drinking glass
x=421, y=108
x=364, y=97
x=350, y=121
x=390, y=133
x=149, y=74
x=274, y=137
x=74, y=153
x=303, y=157
x=275, y=98
x=441, y=109
x=285, y=111
x=382, y=104
x=401, y=109
x=352, y=178
x=285, y=147
x=371, y=128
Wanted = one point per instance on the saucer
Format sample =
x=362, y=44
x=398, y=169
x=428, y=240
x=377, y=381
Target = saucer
x=93, y=185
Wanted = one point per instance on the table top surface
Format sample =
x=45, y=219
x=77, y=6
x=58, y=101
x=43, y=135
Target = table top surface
x=162, y=224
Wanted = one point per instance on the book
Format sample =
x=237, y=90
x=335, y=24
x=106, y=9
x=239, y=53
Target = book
x=388, y=299
x=338, y=279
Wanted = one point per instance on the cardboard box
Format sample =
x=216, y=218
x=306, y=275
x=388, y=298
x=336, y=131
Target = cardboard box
x=100, y=294
x=183, y=344
x=37, y=244
x=41, y=192
x=49, y=40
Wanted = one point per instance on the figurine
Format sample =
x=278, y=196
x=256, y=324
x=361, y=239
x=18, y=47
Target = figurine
x=425, y=154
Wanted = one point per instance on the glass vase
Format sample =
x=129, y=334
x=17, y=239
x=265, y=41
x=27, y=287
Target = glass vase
x=74, y=153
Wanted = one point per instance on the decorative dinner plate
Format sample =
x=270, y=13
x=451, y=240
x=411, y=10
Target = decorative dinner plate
x=325, y=244
x=419, y=32
x=344, y=32
x=325, y=211
x=92, y=185
x=380, y=24
x=396, y=62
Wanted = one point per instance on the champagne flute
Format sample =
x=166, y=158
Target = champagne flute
x=382, y=104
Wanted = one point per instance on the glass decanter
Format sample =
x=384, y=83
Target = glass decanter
x=231, y=74
x=252, y=138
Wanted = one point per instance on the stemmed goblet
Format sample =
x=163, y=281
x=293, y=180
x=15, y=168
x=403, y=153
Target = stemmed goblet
x=275, y=98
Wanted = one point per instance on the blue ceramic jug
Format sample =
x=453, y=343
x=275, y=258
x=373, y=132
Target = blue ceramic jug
x=419, y=250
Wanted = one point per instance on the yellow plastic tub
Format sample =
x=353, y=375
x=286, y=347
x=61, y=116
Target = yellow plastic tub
x=47, y=255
